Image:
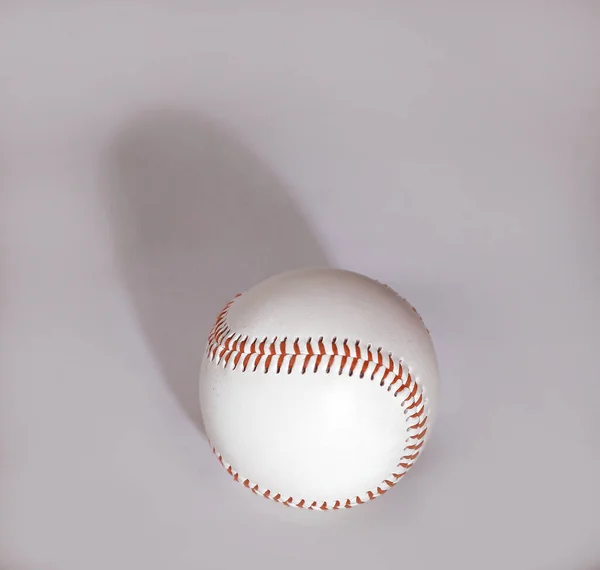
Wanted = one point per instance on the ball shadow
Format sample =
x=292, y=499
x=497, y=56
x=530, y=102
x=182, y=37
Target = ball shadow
x=196, y=218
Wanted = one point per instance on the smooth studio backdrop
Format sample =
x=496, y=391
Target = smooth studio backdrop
x=157, y=158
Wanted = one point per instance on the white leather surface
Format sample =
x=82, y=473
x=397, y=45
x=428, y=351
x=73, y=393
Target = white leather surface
x=314, y=436
x=158, y=157
x=317, y=436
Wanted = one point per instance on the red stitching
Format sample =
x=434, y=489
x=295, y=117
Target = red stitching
x=223, y=344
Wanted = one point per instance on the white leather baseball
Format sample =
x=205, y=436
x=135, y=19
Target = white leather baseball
x=318, y=388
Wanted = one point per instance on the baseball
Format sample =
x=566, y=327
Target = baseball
x=318, y=388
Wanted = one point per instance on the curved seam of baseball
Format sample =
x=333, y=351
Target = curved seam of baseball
x=230, y=349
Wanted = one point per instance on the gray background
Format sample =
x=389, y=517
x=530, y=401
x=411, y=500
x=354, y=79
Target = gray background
x=158, y=157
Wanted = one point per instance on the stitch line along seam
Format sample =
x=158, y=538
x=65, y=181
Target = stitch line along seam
x=231, y=350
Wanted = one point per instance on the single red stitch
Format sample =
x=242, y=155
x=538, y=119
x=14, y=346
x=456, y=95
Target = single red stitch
x=280, y=362
x=268, y=362
x=364, y=368
x=396, y=378
x=318, y=362
x=227, y=357
x=385, y=375
x=236, y=359
x=346, y=348
x=245, y=363
x=291, y=365
x=409, y=380
x=421, y=435
x=330, y=363
x=410, y=457
x=375, y=371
